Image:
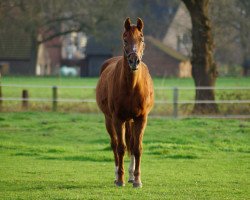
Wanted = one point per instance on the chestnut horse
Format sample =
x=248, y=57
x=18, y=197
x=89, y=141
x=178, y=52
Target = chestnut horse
x=125, y=95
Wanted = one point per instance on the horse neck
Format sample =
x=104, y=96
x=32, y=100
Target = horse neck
x=131, y=79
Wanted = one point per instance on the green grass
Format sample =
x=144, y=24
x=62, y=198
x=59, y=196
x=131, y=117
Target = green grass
x=67, y=156
x=89, y=93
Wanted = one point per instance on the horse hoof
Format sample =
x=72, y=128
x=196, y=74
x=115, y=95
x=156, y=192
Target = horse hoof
x=137, y=185
x=131, y=181
x=119, y=184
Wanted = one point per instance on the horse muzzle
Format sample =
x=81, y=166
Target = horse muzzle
x=134, y=63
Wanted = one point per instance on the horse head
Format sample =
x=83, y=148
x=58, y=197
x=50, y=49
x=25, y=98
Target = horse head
x=133, y=41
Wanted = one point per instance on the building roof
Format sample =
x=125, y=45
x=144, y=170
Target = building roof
x=14, y=45
x=168, y=50
x=178, y=34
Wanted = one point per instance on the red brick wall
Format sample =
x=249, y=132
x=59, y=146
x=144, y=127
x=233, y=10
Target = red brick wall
x=54, y=50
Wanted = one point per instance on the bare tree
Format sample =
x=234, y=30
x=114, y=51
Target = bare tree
x=153, y=12
x=203, y=65
x=54, y=18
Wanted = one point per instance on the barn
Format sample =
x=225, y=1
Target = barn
x=163, y=61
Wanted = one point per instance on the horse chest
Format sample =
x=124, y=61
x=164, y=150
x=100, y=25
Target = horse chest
x=130, y=106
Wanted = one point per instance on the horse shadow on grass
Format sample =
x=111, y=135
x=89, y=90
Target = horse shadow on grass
x=54, y=154
x=31, y=185
x=79, y=158
x=173, y=151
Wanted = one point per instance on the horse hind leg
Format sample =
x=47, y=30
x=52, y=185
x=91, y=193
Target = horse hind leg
x=113, y=143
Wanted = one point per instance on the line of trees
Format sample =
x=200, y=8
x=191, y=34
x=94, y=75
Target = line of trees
x=104, y=19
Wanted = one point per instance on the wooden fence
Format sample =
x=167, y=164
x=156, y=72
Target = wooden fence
x=175, y=103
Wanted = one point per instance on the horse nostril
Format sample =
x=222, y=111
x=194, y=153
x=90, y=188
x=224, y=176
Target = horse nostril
x=130, y=62
x=137, y=61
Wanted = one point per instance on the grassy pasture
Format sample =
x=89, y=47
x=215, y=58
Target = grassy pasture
x=160, y=94
x=45, y=155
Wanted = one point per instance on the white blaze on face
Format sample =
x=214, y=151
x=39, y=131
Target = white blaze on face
x=132, y=168
x=134, y=48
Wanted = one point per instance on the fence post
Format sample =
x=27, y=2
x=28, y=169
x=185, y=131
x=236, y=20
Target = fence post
x=1, y=96
x=175, y=102
x=54, y=98
x=25, y=99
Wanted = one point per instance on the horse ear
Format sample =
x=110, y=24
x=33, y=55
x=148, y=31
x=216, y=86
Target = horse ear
x=139, y=24
x=127, y=24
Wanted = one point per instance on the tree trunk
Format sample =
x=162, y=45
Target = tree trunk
x=203, y=66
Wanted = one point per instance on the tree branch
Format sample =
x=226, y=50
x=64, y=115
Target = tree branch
x=58, y=34
x=80, y=28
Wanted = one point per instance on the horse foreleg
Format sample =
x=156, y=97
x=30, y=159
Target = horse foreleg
x=121, y=148
x=113, y=143
x=131, y=169
x=139, y=126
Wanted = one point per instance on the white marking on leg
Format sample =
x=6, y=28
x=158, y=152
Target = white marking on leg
x=131, y=168
x=116, y=173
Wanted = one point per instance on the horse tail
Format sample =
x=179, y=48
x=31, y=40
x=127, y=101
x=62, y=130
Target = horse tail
x=128, y=135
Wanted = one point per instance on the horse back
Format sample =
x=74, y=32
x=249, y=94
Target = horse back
x=109, y=62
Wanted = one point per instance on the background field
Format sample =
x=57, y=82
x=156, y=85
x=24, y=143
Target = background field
x=45, y=155
x=165, y=95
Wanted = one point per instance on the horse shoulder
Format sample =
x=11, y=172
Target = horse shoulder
x=145, y=69
x=146, y=76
